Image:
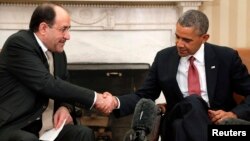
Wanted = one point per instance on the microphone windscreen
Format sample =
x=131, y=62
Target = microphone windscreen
x=144, y=115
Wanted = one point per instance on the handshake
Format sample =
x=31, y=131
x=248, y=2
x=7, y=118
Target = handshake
x=106, y=103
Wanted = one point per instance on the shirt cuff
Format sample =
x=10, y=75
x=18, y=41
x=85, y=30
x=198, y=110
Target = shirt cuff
x=94, y=101
x=118, y=103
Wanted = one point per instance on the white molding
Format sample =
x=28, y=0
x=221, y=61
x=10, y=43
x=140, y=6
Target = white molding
x=97, y=1
x=97, y=17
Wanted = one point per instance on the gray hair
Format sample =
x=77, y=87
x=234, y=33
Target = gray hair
x=196, y=19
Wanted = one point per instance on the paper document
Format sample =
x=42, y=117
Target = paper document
x=51, y=134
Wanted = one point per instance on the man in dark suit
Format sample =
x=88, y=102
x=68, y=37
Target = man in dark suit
x=26, y=83
x=221, y=73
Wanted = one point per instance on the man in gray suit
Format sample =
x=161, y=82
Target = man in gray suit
x=27, y=85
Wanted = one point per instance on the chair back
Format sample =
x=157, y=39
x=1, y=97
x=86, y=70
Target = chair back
x=245, y=56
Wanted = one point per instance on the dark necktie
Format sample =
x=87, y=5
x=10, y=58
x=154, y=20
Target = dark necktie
x=193, y=78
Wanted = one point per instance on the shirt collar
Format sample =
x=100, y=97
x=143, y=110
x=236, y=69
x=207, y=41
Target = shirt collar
x=199, y=55
x=43, y=47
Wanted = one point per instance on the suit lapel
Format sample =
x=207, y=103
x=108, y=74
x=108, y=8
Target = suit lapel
x=211, y=67
x=174, y=63
x=38, y=49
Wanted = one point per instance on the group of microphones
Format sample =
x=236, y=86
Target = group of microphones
x=143, y=120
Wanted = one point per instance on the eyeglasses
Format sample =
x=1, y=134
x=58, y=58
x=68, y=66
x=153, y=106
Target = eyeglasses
x=63, y=29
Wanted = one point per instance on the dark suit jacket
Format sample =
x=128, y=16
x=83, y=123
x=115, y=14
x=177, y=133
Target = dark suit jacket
x=225, y=74
x=26, y=84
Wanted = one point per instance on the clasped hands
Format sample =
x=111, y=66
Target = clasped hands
x=217, y=116
x=106, y=103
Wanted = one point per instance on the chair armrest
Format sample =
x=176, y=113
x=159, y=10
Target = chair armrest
x=162, y=108
x=234, y=121
x=155, y=132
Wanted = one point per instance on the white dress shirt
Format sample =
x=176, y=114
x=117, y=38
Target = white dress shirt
x=182, y=73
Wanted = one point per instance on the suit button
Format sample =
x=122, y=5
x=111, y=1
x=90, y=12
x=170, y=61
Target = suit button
x=44, y=107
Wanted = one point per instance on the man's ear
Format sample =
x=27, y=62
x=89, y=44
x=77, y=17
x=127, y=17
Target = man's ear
x=205, y=37
x=43, y=27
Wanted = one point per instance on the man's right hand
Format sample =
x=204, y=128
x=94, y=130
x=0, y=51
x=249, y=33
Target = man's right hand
x=105, y=103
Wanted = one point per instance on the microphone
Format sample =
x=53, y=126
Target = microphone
x=143, y=119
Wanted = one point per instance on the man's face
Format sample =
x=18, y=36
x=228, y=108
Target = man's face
x=188, y=41
x=58, y=34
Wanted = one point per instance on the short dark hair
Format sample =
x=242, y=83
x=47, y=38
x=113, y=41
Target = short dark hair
x=196, y=19
x=42, y=13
